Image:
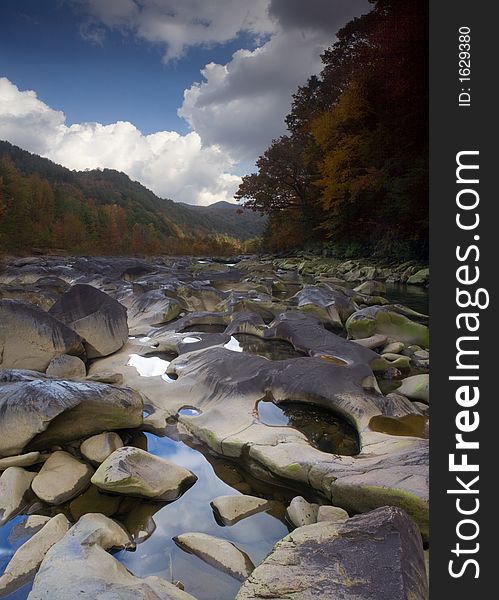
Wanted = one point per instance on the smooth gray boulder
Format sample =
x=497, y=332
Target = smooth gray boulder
x=38, y=412
x=15, y=486
x=232, y=509
x=218, y=553
x=28, y=557
x=67, y=367
x=373, y=556
x=98, y=447
x=134, y=472
x=30, y=338
x=79, y=566
x=61, y=478
x=99, y=319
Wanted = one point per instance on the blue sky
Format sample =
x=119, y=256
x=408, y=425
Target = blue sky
x=42, y=48
x=182, y=95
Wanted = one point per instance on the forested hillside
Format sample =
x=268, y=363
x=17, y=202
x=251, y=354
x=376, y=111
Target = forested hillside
x=352, y=171
x=47, y=206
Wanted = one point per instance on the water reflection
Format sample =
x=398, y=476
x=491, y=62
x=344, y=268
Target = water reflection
x=270, y=349
x=324, y=430
x=158, y=555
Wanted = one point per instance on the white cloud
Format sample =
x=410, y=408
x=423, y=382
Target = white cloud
x=179, y=25
x=172, y=165
x=242, y=105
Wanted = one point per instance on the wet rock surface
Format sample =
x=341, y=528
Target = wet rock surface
x=208, y=397
x=374, y=556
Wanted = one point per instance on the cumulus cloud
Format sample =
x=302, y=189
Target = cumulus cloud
x=241, y=105
x=172, y=165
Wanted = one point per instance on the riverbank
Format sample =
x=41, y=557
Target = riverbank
x=202, y=410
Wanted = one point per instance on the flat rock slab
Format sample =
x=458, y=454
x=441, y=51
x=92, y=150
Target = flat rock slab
x=61, y=478
x=98, y=447
x=231, y=509
x=15, y=484
x=28, y=557
x=30, y=338
x=217, y=552
x=99, y=319
x=133, y=471
x=373, y=556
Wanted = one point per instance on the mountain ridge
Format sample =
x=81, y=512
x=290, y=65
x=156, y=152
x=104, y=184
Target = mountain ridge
x=108, y=186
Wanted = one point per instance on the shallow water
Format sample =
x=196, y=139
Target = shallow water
x=158, y=555
x=324, y=430
x=412, y=296
x=270, y=349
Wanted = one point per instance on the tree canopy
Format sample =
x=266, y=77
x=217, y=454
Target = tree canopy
x=352, y=170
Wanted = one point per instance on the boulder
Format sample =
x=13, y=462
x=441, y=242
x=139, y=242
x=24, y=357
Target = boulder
x=134, y=472
x=98, y=447
x=67, y=367
x=99, y=319
x=218, y=553
x=416, y=387
x=373, y=556
x=28, y=557
x=15, y=484
x=371, y=287
x=39, y=411
x=300, y=512
x=376, y=319
x=421, y=277
x=61, y=478
x=231, y=509
x=30, y=338
x=79, y=566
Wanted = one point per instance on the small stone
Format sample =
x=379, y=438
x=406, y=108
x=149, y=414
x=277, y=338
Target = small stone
x=332, y=513
x=28, y=527
x=300, y=512
x=98, y=447
x=21, y=460
x=393, y=348
x=416, y=388
x=218, y=553
x=61, y=478
x=67, y=367
x=231, y=509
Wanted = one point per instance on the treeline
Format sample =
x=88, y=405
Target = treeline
x=352, y=172
x=36, y=213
